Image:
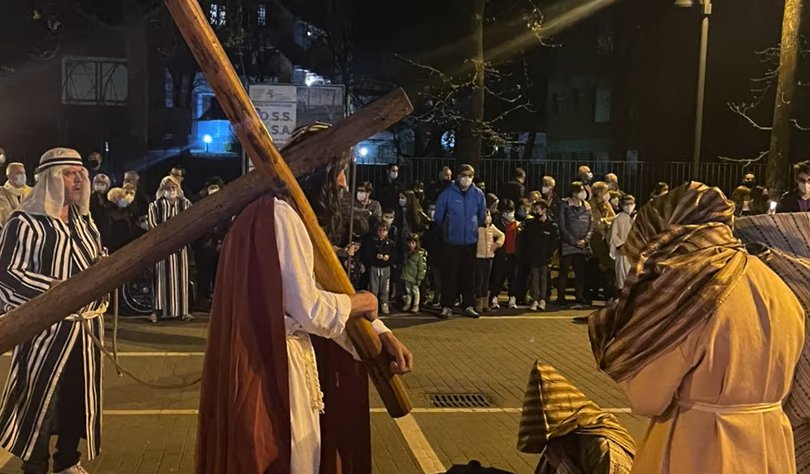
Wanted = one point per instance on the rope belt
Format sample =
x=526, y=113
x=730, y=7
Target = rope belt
x=86, y=317
x=743, y=409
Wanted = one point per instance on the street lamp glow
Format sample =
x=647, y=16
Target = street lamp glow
x=363, y=151
x=208, y=139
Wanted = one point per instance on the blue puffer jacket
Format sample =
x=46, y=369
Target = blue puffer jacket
x=460, y=213
x=576, y=223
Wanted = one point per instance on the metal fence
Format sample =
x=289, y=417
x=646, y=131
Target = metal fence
x=637, y=178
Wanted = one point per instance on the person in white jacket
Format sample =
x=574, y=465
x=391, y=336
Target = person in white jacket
x=618, y=234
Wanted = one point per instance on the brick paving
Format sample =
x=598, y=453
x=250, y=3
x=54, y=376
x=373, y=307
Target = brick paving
x=492, y=355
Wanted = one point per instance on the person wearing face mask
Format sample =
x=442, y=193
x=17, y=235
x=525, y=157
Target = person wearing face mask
x=366, y=207
x=504, y=263
x=390, y=189
x=419, y=191
x=171, y=275
x=549, y=194
x=539, y=239
x=116, y=221
x=98, y=200
x=490, y=239
x=613, y=183
x=797, y=200
x=206, y=251
x=13, y=191
x=618, y=234
x=460, y=211
x=586, y=178
x=95, y=164
x=432, y=243
x=576, y=226
x=749, y=180
x=616, y=201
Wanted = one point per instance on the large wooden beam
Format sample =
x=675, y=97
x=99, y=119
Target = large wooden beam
x=28, y=320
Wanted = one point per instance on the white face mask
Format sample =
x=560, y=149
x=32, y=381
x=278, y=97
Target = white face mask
x=402, y=202
x=803, y=188
x=629, y=208
x=213, y=189
x=394, y=174
x=582, y=195
x=509, y=216
x=465, y=182
x=431, y=213
x=2, y=158
x=544, y=190
x=19, y=181
x=388, y=220
x=361, y=196
x=614, y=202
x=122, y=203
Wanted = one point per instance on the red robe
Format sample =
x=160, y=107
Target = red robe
x=244, y=422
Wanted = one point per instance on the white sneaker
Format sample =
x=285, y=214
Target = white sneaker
x=533, y=306
x=494, y=303
x=187, y=318
x=512, y=302
x=153, y=318
x=542, y=305
x=77, y=469
x=384, y=308
x=446, y=313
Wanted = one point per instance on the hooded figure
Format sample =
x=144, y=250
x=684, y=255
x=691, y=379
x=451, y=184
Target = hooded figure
x=54, y=386
x=704, y=340
x=569, y=431
x=171, y=275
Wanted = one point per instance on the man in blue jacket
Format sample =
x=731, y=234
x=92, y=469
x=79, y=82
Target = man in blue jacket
x=460, y=211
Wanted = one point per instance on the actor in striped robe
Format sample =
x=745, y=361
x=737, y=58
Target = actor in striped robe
x=171, y=275
x=54, y=384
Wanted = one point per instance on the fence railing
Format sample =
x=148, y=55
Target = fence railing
x=637, y=178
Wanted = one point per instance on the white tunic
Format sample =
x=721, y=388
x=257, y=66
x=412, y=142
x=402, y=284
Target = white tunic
x=308, y=310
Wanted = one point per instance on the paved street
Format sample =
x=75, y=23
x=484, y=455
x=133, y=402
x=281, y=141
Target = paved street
x=153, y=431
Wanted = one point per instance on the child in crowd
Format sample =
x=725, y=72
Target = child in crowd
x=539, y=240
x=504, y=265
x=413, y=273
x=490, y=238
x=379, y=254
x=432, y=243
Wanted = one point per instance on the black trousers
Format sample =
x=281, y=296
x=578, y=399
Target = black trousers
x=206, y=273
x=483, y=269
x=65, y=417
x=458, y=275
x=578, y=262
x=504, y=267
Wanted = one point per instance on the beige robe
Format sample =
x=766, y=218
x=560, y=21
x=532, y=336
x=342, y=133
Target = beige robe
x=715, y=399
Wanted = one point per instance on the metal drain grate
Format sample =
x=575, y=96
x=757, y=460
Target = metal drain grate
x=459, y=400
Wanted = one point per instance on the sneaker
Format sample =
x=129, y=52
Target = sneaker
x=187, y=318
x=384, y=308
x=470, y=312
x=577, y=306
x=512, y=302
x=435, y=304
x=533, y=306
x=415, y=309
x=494, y=303
x=446, y=313
x=153, y=318
x=542, y=305
x=77, y=469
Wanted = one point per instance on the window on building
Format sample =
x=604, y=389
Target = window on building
x=217, y=14
x=261, y=15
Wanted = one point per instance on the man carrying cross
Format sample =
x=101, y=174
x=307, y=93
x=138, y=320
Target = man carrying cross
x=262, y=398
x=54, y=385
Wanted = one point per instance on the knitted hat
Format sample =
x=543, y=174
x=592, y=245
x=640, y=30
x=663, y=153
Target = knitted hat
x=59, y=157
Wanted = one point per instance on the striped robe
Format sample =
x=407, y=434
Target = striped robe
x=35, y=250
x=171, y=275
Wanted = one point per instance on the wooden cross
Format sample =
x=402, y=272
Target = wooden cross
x=272, y=174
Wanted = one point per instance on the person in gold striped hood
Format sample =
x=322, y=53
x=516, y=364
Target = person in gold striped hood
x=704, y=341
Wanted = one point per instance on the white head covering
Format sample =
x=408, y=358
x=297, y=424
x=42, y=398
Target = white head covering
x=165, y=181
x=48, y=196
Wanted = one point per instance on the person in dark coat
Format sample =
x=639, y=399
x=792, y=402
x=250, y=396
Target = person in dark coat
x=445, y=180
x=207, y=250
x=514, y=190
x=539, y=240
x=117, y=227
x=390, y=189
x=797, y=200
x=576, y=226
